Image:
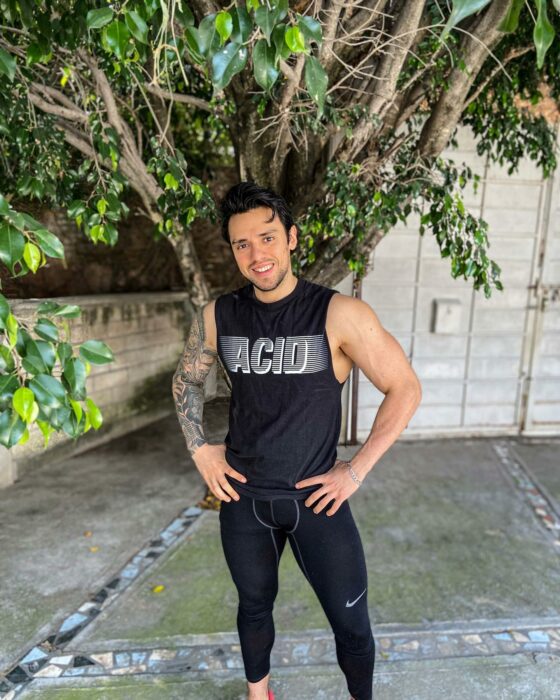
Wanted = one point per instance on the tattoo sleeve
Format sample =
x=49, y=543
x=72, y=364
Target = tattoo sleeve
x=188, y=383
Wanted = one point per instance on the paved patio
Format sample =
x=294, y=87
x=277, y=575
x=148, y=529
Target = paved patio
x=115, y=585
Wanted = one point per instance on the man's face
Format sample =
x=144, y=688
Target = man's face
x=257, y=244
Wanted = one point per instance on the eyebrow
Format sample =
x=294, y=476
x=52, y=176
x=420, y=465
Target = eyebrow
x=242, y=240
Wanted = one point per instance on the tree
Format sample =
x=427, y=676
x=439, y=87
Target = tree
x=344, y=108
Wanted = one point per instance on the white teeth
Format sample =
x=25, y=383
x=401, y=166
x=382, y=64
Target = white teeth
x=262, y=269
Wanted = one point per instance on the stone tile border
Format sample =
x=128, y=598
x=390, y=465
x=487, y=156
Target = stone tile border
x=45, y=660
x=532, y=492
x=302, y=649
x=25, y=669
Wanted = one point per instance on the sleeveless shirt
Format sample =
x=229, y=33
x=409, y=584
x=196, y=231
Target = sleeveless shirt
x=285, y=407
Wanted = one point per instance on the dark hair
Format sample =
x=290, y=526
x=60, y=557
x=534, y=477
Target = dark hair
x=248, y=195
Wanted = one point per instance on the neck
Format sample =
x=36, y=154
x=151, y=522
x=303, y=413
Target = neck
x=287, y=286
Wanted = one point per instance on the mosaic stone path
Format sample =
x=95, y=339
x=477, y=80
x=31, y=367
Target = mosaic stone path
x=290, y=651
x=314, y=647
x=12, y=682
x=531, y=491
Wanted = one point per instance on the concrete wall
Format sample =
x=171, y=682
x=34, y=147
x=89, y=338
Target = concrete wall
x=543, y=392
x=146, y=333
x=476, y=379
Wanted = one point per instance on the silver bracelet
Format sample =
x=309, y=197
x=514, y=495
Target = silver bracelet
x=353, y=474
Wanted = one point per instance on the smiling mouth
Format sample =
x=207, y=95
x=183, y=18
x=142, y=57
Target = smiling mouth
x=263, y=269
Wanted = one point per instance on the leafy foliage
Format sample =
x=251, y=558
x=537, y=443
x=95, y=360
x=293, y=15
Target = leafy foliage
x=98, y=99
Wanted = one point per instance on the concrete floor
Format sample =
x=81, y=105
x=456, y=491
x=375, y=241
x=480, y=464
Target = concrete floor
x=461, y=542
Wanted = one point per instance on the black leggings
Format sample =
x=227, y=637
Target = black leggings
x=328, y=550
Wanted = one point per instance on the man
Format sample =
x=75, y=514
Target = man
x=288, y=346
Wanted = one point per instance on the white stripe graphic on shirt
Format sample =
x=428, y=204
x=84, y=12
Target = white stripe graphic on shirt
x=298, y=354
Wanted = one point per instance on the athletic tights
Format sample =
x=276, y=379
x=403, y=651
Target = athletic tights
x=329, y=552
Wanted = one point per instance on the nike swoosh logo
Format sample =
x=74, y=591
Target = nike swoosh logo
x=349, y=605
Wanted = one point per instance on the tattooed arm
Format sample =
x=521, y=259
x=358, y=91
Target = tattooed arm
x=188, y=390
x=188, y=381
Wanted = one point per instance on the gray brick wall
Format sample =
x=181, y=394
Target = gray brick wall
x=476, y=380
x=147, y=333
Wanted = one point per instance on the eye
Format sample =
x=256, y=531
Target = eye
x=270, y=237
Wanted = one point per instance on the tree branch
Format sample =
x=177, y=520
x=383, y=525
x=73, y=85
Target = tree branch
x=513, y=54
x=474, y=48
x=385, y=78
x=177, y=97
x=74, y=115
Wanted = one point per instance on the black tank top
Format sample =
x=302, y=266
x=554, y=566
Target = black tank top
x=285, y=407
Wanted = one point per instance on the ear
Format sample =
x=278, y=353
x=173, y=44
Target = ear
x=293, y=237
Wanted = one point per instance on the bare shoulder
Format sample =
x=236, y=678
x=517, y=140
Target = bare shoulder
x=361, y=336
x=209, y=331
x=347, y=315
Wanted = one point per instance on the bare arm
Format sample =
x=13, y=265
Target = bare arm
x=199, y=355
x=382, y=359
x=188, y=381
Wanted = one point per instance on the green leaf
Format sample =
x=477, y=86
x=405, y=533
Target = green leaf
x=316, y=81
x=282, y=49
x=72, y=425
x=74, y=378
x=94, y=413
x=111, y=233
x=32, y=256
x=12, y=243
x=96, y=351
x=38, y=52
x=543, y=33
x=96, y=233
x=295, y=39
x=64, y=352
x=138, y=28
x=310, y=28
x=39, y=356
x=46, y=330
x=76, y=208
x=170, y=182
x=8, y=385
x=241, y=25
x=184, y=15
x=224, y=25
x=68, y=310
x=4, y=310
x=511, y=20
x=12, y=327
x=282, y=7
x=117, y=37
x=208, y=37
x=77, y=408
x=56, y=416
x=461, y=10
x=12, y=428
x=51, y=244
x=226, y=63
x=99, y=18
x=28, y=221
x=4, y=206
x=22, y=402
x=47, y=307
x=263, y=65
x=48, y=391
x=46, y=429
x=194, y=45
x=7, y=363
x=7, y=64
x=266, y=20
